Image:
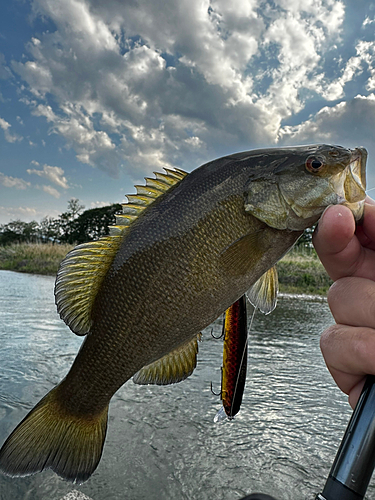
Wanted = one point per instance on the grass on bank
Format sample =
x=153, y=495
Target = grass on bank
x=300, y=271
x=36, y=258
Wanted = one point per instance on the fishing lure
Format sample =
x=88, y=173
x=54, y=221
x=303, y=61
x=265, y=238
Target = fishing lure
x=234, y=357
x=263, y=296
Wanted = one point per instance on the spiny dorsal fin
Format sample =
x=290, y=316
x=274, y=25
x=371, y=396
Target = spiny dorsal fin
x=171, y=368
x=263, y=293
x=145, y=196
x=83, y=270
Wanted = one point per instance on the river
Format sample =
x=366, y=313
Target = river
x=162, y=442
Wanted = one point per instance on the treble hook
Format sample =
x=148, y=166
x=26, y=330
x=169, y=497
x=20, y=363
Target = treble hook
x=221, y=388
x=214, y=393
x=222, y=335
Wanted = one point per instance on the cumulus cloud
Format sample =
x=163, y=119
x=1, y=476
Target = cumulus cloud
x=9, y=137
x=175, y=83
x=53, y=174
x=13, y=182
x=99, y=204
x=348, y=123
x=355, y=66
x=17, y=212
x=368, y=21
x=51, y=190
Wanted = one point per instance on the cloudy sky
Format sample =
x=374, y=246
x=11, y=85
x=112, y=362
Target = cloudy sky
x=95, y=94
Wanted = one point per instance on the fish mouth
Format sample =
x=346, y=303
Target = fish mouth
x=352, y=189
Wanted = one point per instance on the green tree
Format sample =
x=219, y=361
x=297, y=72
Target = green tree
x=18, y=231
x=48, y=229
x=71, y=226
x=74, y=208
x=65, y=222
x=92, y=224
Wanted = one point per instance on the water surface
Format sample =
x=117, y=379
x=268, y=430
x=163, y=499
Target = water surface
x=162, y=442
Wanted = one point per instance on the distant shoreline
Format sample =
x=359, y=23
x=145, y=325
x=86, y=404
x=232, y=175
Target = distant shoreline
x=33, y=258
x=300, y=271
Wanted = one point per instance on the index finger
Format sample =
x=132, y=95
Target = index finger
x=366, y=231
x=343, y=250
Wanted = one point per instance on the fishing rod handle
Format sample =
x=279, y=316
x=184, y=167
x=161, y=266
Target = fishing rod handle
x=355, y=460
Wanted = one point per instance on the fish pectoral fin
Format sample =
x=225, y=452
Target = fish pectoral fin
x=263, y=293
x=239, y=258
x=174, y=367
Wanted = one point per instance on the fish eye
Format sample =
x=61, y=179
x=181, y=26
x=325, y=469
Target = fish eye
x=314, y=164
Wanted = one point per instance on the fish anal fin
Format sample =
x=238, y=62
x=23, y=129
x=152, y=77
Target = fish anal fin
x=174, y=367
x=263, y=293
x=242, y=255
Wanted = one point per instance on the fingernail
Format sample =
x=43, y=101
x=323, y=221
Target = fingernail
x=321, y=219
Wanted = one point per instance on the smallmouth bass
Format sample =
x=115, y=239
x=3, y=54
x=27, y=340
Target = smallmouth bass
x=186, y=247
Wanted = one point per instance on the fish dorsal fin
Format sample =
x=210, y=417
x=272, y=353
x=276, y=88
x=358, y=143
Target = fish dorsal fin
x=171, y=368
x=147, y=194
x=239, y=258
x=263, y=293
x=83, y=270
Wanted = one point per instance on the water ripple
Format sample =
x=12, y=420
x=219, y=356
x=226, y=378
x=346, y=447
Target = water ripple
x=162, y=441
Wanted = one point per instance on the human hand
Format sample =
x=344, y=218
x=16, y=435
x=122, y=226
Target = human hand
x=348, y=254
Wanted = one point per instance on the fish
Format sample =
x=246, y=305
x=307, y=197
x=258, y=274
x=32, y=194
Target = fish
x=185, y=248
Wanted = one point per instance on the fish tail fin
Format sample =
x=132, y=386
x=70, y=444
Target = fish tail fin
x=51, y=437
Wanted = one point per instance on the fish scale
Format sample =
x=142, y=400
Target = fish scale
x=143, y=294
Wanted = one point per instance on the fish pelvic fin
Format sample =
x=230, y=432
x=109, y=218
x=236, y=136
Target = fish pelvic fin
x=263, y=293
x=83, y=270
x=174, y=367
x=50, y=437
